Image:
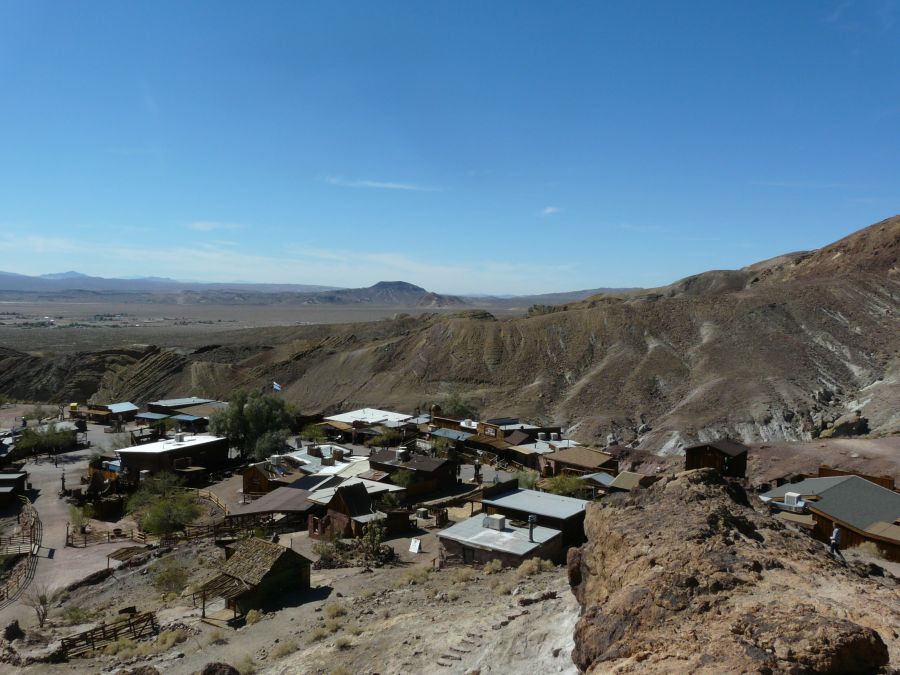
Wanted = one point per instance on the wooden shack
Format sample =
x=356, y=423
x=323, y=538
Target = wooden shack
x=728, y=457
x=256, y=574
x=346, y=514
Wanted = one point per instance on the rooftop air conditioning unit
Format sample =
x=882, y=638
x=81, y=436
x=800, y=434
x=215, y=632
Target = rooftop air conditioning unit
x=554, y=437
x=179, y=437
x=542, y=436
x=791, y=498
x=495, y=522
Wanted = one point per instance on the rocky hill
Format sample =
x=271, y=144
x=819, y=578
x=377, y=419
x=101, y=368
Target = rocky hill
x=779, y=350
x=687, y=577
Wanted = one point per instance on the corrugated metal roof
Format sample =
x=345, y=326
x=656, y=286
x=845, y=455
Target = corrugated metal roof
x=118, y=408
x=512, y=540
x=810, y=487
x=181, y=402
x=368, y=416
x=452, y=434
x=151, y=416
x=627, y=480
x=538, y=503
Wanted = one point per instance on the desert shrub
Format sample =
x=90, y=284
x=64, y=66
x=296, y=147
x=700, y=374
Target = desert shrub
x=462, y=575
x=343, y=643
x=215, y=638
x=169, y=638
x=503, y=588
x=246, y=666
x=319, y=633
x=333, y=610
x=253, y=616
x=493, y=567
x=333, y=625
x=169, y=576
x=75, y=616
x=282, y=649
x=385, y=613
x=868, y=548
x=123, y=647
x=453, y=595
x=415, y=576
x=533, y=566
x=527, y=478
x=354, y=629
x=565, y=484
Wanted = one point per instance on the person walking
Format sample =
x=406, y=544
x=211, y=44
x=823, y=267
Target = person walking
x=834, y=547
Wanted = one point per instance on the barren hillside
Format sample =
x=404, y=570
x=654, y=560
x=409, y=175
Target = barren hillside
x=775, y=351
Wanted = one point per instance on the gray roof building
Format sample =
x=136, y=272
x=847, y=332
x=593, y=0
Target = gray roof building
x=539, y=503
x=512, y=540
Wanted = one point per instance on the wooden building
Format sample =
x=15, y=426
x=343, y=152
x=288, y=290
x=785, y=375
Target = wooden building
x=565, y=514
x=428, y=474
x=256, y=574
x=728, y=457
x=186, y=455
x=347, y=513
x=481, y=539
x=12, y=484
x=577, y=460
x=863, y=510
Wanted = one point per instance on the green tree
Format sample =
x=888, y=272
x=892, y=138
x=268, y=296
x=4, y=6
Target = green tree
x=527, y=478
x=270, y=443
x=386, y=439
x=564, y=484
x=369, y=544
x=248, y=417
x=313, y=433
x=46, y=440
x=403, y=478
x=160, y=507
x=455, y=407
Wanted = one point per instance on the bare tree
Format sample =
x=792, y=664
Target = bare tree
x=40, y=599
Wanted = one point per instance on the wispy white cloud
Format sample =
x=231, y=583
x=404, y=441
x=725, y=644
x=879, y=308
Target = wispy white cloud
x=215, y=261
x=210, y=225
x=550, y=211
x=380, y=185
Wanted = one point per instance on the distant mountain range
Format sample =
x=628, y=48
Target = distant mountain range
x=62, y=286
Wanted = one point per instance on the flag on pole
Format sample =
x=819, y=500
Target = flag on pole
x=276, y=386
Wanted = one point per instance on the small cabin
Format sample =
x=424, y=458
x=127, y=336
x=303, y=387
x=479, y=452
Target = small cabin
x=728, y=457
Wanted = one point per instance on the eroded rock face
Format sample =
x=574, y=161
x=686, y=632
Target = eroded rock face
x=687, y=576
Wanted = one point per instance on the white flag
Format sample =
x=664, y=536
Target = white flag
x=276, y=386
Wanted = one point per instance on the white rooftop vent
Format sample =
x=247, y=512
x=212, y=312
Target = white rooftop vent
x=554, y=437
x=542, y=436
x=179, y=437
x=791, y=498
x=495, y=522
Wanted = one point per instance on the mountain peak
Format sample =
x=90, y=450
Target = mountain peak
x=71, y=274
x=398, y=286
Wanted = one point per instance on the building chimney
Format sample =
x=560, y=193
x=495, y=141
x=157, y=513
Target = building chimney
x=532, y=521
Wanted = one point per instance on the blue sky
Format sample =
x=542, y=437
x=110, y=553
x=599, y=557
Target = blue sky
x=502, y=147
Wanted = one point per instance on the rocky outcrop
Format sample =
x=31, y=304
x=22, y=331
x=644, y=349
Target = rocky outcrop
x=686, y=576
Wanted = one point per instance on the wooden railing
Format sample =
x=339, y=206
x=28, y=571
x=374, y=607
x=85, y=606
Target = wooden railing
x=28, y=541
x=135, y=627
x=207, y=495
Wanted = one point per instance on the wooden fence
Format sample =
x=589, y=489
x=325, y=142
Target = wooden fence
x=209, y=496
x=135, y=627
x=27, y=542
